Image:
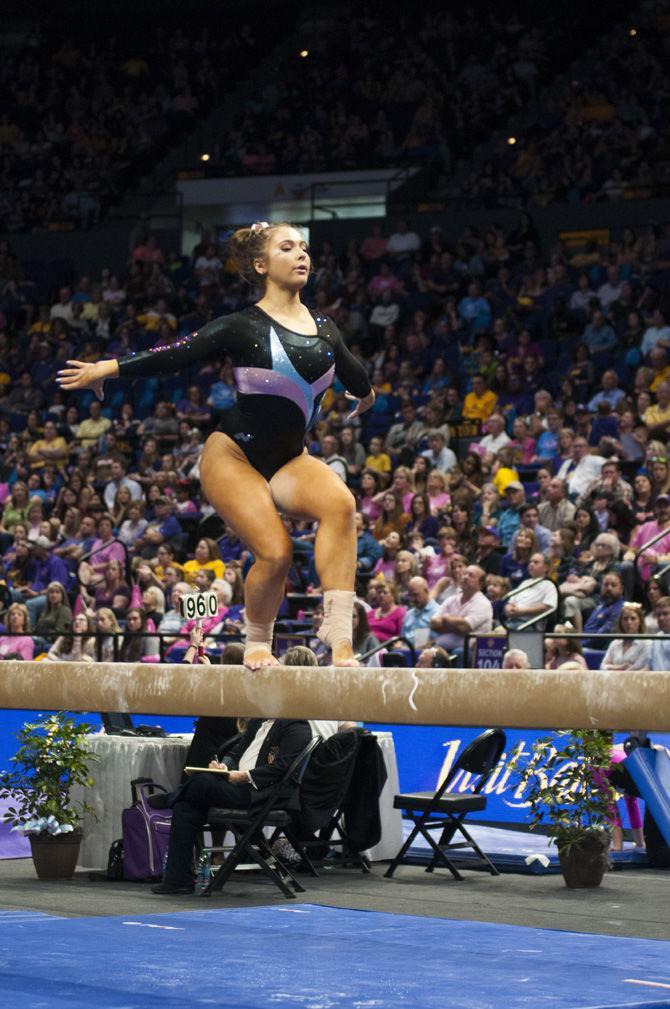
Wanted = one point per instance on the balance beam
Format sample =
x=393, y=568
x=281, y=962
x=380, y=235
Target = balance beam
x=511, y=698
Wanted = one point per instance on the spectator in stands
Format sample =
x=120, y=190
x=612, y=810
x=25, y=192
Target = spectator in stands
x=406, y=433
x=392, y=518
x=42, y=569
x=369, y=549
x=118, y=479
x=510, y=517
x=165, y=528
x=378, y=460
x=496, y=436
x=514, y=564
x=208, y=557
x=112, y=592
x=534, y=598
x=480, y=402
x=55, y=619
x=556, y=511
x=330, y=453
x=18, y=642
x=78, y=646
x=416, y=624
x=103, y=549
x=363, y=639
x=50, y=448
x=94, y=427
x=628, y=653
x=529, y=516
x=559, y=651
x=386, y=619
x=659, y=655
x=582, y=592
x=438, y=455
x=582, y=469
x=468, y=611
x=515, y=658
x=658, y=552
x=402, y=243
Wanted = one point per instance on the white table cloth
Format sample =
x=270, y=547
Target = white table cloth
x=121, y=759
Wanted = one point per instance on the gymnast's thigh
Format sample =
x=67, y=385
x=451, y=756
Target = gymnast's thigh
x=240, y=494
x=307, y=488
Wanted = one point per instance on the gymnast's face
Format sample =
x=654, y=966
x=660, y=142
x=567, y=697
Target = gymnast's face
x=286, y=262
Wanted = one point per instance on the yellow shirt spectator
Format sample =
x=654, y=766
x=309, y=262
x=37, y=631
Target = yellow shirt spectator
x=481, y=402
x=208, y=556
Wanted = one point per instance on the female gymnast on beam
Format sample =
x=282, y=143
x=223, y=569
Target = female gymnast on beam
x=256, y=465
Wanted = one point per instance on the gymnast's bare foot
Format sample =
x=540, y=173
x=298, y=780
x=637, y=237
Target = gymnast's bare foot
x=257, y=658
x=343, y=655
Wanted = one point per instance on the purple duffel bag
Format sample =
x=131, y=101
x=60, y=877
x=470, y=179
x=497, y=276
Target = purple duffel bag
x=145, y=833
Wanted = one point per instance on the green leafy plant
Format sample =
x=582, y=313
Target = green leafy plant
x=567, y=789
x=52, y=757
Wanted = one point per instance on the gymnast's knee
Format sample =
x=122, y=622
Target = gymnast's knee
x=341, y=507
x=275, y=557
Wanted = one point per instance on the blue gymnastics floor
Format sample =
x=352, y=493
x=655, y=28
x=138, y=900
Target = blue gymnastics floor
x=319, y=958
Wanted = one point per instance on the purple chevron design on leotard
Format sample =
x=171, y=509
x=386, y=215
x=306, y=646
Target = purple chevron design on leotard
x=282, y=380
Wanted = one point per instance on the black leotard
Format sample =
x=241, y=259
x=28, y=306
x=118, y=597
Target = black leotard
x=280, y=376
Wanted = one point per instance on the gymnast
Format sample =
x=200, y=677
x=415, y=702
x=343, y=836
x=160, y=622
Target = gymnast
x=256, y=464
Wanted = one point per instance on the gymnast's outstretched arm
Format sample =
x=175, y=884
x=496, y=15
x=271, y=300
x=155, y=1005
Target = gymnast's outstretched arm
x=213, y=340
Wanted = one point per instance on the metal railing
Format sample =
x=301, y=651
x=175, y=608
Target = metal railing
x=385, y=645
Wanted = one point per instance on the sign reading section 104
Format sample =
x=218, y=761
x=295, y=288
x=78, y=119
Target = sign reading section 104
x=198, y=605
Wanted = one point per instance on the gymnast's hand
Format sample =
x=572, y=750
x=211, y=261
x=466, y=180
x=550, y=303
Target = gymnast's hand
x=361, y=404
x=82, y=375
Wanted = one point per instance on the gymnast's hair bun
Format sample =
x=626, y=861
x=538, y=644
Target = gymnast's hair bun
x=249, y=244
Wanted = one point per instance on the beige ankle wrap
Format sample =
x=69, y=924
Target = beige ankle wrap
x=338, y=609
x=258, y=636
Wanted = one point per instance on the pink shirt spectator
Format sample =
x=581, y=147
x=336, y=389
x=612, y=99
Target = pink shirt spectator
x=388, y=625
x=103, y=554
x=642, y=535
x=368, y=506
x=436, y=567
x=385, y=568
x=25, y=647
x=438, y=502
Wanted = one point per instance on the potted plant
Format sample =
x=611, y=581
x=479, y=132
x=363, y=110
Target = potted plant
x=52, y=757
x=568, y=792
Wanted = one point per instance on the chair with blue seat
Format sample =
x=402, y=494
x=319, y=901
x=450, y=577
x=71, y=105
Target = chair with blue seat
x=446, y=811
x=593, y=656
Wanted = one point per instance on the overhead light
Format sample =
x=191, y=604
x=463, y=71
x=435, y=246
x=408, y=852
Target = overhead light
x=205, y=157
x=303, y=54
x=632, y=32
x=511, y=141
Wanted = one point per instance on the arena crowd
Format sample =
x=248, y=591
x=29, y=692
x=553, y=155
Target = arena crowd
x=519, y=432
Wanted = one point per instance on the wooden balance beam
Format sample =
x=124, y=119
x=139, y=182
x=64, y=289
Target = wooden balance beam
x=512, y=698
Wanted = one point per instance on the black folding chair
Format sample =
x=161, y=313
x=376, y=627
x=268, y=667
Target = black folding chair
x=447, y=810
x=247, y=827
x=317, y=829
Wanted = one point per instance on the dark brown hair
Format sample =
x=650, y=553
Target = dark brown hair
x=248, y=244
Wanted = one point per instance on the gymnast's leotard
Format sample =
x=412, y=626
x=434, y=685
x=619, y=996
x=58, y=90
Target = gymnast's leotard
x=280, y=376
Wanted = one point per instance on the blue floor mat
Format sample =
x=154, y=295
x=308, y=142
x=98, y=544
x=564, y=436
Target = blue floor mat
x=322, y=958
x=514, y=851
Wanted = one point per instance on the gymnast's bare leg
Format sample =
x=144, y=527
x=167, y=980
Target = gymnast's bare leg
x=242, y=498
x=306, y=488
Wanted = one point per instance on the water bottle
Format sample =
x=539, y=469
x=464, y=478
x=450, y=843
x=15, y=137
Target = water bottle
x=164, y=864
x=203, y=872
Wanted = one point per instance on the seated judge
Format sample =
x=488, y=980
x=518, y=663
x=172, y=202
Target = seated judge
x=256, y=762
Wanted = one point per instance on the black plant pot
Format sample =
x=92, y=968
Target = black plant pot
x=585, y=862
